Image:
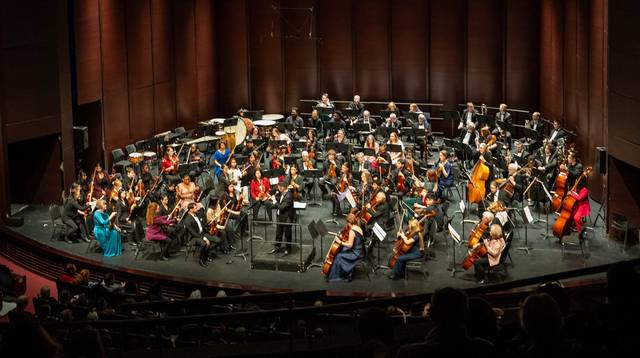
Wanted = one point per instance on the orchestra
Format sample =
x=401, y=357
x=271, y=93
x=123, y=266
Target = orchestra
x=381, y=176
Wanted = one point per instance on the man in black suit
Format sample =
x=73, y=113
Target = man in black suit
x=315, y=121
x=419, y=140
x=223, y=182
x=302, y=165
x=519, y=185
x=469, y=115
x=520, y=152
x=357, y=105
x=503, y=117
x=493, y=196
x=360, y=165
x=392, y=122
x=380, y=214
x=484, y=154
x=556, y=132
x=549, y=164
x=535, y=125
x=283, y=202
x=201, y=237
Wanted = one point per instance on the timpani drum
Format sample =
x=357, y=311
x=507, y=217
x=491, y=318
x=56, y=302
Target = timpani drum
x=149, y=156
x=217, y=123
x=265, y=127
x=229, y=139
x=135, y=157
x=272, y=117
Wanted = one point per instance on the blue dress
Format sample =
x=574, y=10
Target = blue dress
x=109, y=240
x=222, y=160
x=346, y=261
x=413, y=254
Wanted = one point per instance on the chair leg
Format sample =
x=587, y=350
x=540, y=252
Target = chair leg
x=138, y=250
x=563, y=252
x=89, y=246
x=584, y=262
x=406, y=272
x=510, y=259
x=186, y=256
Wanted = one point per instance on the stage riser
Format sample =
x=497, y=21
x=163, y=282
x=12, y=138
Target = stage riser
x=276, y=262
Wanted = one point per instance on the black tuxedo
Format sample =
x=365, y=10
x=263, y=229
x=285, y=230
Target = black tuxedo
x=472, y=137
x=366, y=166
x=474, y=118
x=326, y=166
x=559, y=133
x=407, y=182
x=490, y=197
x=489, y=162
x=223, y=183
x=194, y=233
x=286, y=214
x=550, y=168
x=359, y=107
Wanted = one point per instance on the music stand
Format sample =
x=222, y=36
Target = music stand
x=313, y=174
x=351, y=112
x=314, y=235
x=331, y=189
x=369, y=152
x=253, y=115
x=324, y=110
x=411, y=116
x=291, y=160
x=508, y=128
x=300, y=144
x=525, y=221
x=301, y=131
x=386, y=113
x=362, y=128
x=386, y=131
x=454, y=116
x=277, y=143
x=332, y=126
x=282, y=126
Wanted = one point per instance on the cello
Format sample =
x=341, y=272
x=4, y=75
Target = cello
x=476, y=188
x=562, y=226
x=336, y=248
x=561, y=182
x=367, y=216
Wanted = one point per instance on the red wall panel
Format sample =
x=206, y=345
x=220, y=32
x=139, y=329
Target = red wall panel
x=410, y=52
x=185, y=63
x=165, y=109
x=485, y=51
x=336, y=49
x=163, y=65
x=206, y=59
x=88, y=63
x=141, y=122
x=265, y=43
x=232, y=61
x=569, y=56
x=372, y=49
x=300, y=55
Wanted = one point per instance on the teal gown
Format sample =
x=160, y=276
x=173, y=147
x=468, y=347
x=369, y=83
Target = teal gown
x=109, y=240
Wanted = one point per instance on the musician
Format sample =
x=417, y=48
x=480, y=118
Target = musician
x=549, y=163
x=342, y=138
x=469, y=116
x=283, y=202
x=345, y=261
x=249, y=147
x=384, y=157
x=505, y=117
x=582, y=208
x=357, y=105
x=364, y=189
x=413, y=238
x=277, y=163
x=468, y=137
x=169, y=165
x=129, y=180
x=379, y=214
x=484, y=154
x=392, y=122
x=145, y=176
x=326, y=104
x=84, y=183
x=393, y=108
x=155, y=229
x=535, y=125
x=519, y=184
x=395, y=156
x=346, y=179
x=493, y=196
x=174, y=231
x=123, y=212
x=420, y=140
x=433, y=224
x=223, y=182
x=297, y=122
x=361, y=165
x=73, y=214
x=295, y=180
x=330, y=163
x=255, y=134
x=195, y=231
x=260, y=195
x=556, y=133
x=235, y=208
x=276, y=135
x=413, y=108
x=337, y=118
x=169, y=190
x=186, y=192
x=445, y=178
x=109, y=240
x=366, y=119
x=315, y=121
x=412, y=165
x=197, y=156
x=401, y=175
x=371, y=143
x=574, y=168
x=101, y=183
x=116, y=187
x=494, y=244
x=235, y=174
x=487, y=138
x=520, y=152
x=226, y=234
x=220, y=157
x=252, y=166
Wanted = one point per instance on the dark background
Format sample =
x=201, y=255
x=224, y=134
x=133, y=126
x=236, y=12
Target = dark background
x=153, y=65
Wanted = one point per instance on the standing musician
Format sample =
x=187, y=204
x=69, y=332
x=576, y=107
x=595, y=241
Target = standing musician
x=495, y=244
x=315, y=121
x=413, y=238
x=186, y=193
x=234, y=209
x=420, y=140
x=223, y=182
x=295, y=181
x=401, y=177
x=330, y=167
x=297, y=122
x=346, y=180
x=220, y=157
x=260, y=195
x=574, y=168
x=357, y=105
x=326, y=104
x=197, y=156
x=345, y=261
x=71, y=216
x=469, y=116
x=583, y=209
x=337, y=118
x=361, y=165
x=535, y=125
x=235, y=174
x=283, y=202
x=101, y=183
x=445, y=178
x=502, y=116
x=395, y=156
x=155, y=229
x=483, y=154
x=169, y=165
x=109, y=239
x=226, y=234
x=202, y=238
x=549, y=164
x=556, y=133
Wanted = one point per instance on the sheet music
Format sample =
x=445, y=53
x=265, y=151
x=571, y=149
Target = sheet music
x=349, y=198
x=454, y=234
x=462, y=207
x=299, y=205
x=379, y=232
x=527, y=213
x=274, y=181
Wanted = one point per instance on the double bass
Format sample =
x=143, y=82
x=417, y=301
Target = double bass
x=561, y=182
x=336, y=248
x=476, y=188
x=401, y=248
x=562, y=226
x=90, y=195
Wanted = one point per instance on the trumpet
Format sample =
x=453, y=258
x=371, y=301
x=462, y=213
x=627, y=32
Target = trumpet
x=483, y=109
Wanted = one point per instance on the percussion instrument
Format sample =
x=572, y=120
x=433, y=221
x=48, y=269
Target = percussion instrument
x=135, y=157
x=174, y=145
x=265, y=127
x=208, y=138
x=272, y=117
x=149, y=156
x=238, y=133
x=163, y=134
x=226, y=139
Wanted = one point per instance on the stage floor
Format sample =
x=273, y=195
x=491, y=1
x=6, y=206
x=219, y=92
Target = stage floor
x=544, y=258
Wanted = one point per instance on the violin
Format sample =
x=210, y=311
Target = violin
x=332, y=170
x=308, y=163
x=429, y=215
x=196, y=194
x=492, y=140
x=262, y=194
x=336, y=247
x=112, y=177
x=239, y=204
x=344, y=183
x=400, y=185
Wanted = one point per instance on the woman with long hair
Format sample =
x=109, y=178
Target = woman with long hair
x=260, y=195
x=395, y=156
x=337, y=196
x=371, y=143
x=74, y=205
x=109, y=240
x=226, y=234
x=414, y=238
x=155, y=229
x=345, y=261
x=220, y=157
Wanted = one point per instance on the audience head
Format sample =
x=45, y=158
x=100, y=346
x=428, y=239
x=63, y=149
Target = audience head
x=70, y=270
x=131, y=287
x=27, y=338
x=82, y=301
x=541, y=318
x=86, y=342
x=45, y=292
x=66, y=315
x=482, y=322
x=22, y=303
x=375, y=324
x=241, y=335
x=195, y=295
x=64, y=296
x=109, y=278
x=221, y=293
x=44, y=312
x=555, y=291
x=449, y=306
x=92, y=316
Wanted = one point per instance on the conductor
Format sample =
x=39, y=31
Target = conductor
x=283, y=202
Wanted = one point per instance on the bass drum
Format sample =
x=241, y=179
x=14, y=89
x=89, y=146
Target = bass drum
x=240, y=131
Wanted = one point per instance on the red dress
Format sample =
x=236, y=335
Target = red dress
x=166, y=163
x=255, y=187
x=583, y=208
